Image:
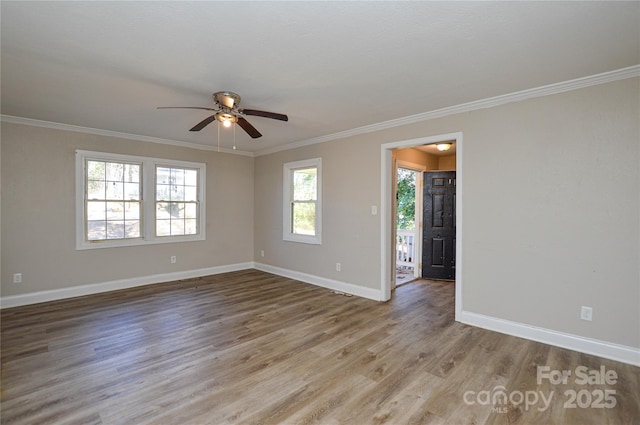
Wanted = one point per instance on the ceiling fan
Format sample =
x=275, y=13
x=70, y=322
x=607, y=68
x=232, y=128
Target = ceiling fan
x=227, y=111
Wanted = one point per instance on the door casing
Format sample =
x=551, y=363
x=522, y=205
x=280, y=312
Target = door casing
x=386, y=207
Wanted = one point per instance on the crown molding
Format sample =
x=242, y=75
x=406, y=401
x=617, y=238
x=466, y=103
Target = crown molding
x=99, y=132
x=578, y=83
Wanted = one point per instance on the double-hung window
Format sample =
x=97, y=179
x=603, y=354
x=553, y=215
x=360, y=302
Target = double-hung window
x=302, y=207
x=176, y=201
x=113, y=200
x=124, y=200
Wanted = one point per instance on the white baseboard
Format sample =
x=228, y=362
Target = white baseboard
x=608, y=350
x=335, y=285
x=95, y=288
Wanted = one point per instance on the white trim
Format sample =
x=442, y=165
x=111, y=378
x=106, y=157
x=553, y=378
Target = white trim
x=335, y=285
x=386, y=210
x=617, y=352
x=578, y=83
x=96, y=288
x=108, y=133
x=459, y=206
x=114, y=285
x=608, y=350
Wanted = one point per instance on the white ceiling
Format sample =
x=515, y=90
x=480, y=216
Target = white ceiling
x=331, y=66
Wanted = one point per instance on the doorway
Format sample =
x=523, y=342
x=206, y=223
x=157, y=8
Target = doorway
x=387, y=211
x=408, y=216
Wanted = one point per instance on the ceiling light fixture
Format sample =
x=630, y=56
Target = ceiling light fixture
x=443, y=146
x=226, y=119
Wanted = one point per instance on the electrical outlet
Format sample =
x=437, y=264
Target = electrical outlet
x=17, y=278
x=338, y=267
x=262, y=253
x=173, y=259
x=586, y=313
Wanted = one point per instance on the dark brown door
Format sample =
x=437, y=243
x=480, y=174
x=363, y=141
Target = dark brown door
x=439, y=220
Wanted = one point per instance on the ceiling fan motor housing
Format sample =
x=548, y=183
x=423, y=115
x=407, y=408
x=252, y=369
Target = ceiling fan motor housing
x=226, y=98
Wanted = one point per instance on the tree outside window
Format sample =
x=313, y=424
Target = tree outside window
x=406, y=199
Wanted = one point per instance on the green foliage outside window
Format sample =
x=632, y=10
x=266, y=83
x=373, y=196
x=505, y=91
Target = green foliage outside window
x=406, y=199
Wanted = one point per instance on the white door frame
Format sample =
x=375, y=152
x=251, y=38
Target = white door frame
x=387, y=245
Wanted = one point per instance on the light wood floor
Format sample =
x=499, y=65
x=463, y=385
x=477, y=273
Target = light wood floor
x=253, y=348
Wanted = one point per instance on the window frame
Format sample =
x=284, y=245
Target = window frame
x=287, y=217
x=147, y=198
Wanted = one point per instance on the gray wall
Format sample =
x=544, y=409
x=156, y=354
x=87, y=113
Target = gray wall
x=38, y=213
x=550, y=210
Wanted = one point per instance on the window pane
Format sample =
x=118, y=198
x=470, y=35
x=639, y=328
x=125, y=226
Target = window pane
x=191, y=177
x=115, y=210
x=96, y=230
x=190, y=210
x=177, y=176
x=171, y=209
x=132, y=173
x=115, y=229
x=163, y=175
x=115, y=190
x=177, y=193
x=162, y=211
x=190, y=193
x=304, y=185
x=132, y=210
x=115, y=172
x=96, y=210
x=96, y=189
x=132, y=191
x=304, y=218
x=96, y=170
x=177, y=227
x=177, y=209
x=163, y=192
x=132, y=228
x=163, y=227
x=190, y=227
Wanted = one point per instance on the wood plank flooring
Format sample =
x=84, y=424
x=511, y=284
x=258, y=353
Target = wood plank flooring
x=253, y=348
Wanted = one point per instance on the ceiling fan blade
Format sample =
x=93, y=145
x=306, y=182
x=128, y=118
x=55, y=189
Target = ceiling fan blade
x=187, y=107
x=246, y=126
x=265, y=114
x=205, y=122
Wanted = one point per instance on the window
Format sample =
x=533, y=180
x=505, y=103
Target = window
x=113, y=201
x=176, y=201
x=302, y=207
x=124, y=200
